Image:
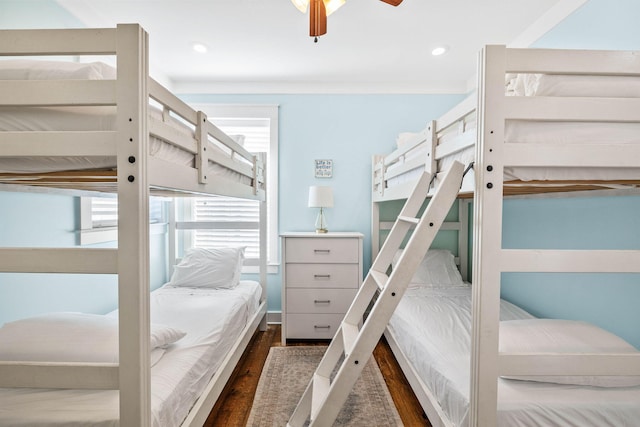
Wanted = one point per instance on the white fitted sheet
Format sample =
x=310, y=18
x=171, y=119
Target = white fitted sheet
x=213, y=320
x=535, y=132
x=432, y=327
x=85, y=119
x=531, y=132
x=91, y=119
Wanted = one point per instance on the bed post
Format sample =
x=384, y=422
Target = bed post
x=263, y=236
x=487, y=240
x=133, y=226
x=430, y=164
x=463, y=238
x=375, y=207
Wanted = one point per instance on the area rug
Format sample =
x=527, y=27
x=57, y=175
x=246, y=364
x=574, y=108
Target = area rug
x=286, y=374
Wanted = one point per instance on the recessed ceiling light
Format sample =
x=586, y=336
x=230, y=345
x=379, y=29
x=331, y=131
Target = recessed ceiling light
x=199, y=47
x=440, y=50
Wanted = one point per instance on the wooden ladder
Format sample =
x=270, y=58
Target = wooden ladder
x=353, y=345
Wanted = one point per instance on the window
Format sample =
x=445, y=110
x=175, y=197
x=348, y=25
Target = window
x=224, y=220
x=99, y=219
x=228, y=221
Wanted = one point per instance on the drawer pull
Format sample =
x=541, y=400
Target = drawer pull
x=322, y=301
x=321, y=327
x=322, y=276
x=322, y=251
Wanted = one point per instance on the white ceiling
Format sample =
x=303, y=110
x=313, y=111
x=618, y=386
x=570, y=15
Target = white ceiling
x=262, y=46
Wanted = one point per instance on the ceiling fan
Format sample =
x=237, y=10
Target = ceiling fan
x=320, y=9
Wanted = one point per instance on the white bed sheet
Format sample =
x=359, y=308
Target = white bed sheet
x=432, y=327
x=92, y=119
x=213, y=320
x=532, y=132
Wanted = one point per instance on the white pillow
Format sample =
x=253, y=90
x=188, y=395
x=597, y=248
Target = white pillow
x=564, y=336
x=437, y=268
x=73, y=337
x=31, y=69
x=209, y=268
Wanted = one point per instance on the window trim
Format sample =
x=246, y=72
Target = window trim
x=264, y=111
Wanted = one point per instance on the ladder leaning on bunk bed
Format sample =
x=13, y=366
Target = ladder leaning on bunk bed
x=353, y=343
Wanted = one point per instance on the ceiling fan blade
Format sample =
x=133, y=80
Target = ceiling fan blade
x=317, y=18
x=392, y=2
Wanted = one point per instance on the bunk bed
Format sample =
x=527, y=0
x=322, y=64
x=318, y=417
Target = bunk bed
x=542, y=121
x=93, y=128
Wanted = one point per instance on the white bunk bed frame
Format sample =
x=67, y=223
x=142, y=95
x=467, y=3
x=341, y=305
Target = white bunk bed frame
x=485, y=183
x=137, y=172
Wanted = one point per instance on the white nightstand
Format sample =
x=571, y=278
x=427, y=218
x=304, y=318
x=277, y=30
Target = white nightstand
x=320, y=277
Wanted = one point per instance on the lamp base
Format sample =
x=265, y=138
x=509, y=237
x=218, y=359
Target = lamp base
x=321, y=223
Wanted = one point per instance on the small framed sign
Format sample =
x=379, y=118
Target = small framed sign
x=324, y=168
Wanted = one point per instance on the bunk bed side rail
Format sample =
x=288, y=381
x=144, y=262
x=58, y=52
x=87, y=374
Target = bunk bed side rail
x=575, y=62
x=59, y=375
x=101, y=41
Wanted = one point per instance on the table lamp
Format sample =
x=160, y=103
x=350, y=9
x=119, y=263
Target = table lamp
x=320, y=197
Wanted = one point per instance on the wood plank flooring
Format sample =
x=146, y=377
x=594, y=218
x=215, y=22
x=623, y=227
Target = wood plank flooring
x=234, y=405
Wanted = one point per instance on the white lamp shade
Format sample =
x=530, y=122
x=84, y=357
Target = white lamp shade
x=320, y=197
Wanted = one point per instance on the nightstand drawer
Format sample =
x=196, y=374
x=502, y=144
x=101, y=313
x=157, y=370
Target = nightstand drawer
x=313, y=326
x=319, y=300
x=323, y=250
x=322, y=275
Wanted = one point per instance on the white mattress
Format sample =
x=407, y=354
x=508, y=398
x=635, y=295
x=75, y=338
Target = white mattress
x=535, y=132
x=85, y=119
x=432, y=327
x=213, y=320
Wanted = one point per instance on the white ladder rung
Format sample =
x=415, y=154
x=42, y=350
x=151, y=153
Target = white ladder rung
x=321, y=386
x=410, y=219
x=380, y=278
x=349, y=336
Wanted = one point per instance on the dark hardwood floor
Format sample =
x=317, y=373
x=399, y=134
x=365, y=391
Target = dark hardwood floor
x=234, y=405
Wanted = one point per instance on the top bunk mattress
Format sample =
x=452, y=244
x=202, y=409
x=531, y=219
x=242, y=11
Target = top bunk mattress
x=547, y=132
x=213, y=318
x=432, y=328
x=94, y=118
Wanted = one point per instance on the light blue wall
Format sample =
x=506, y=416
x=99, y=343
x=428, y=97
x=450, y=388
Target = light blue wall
x=349, y=129
x=27, y=14
x=598, y=24
x=608, y=300
x=51, y=220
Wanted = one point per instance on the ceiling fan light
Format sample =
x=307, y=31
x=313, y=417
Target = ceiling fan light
x=302, y=5
x=333, y=5
x=439, y=50
x=199, y=47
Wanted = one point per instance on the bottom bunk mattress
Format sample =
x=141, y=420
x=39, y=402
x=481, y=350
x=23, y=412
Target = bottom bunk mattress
x=212, y=318
x=431, y=326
